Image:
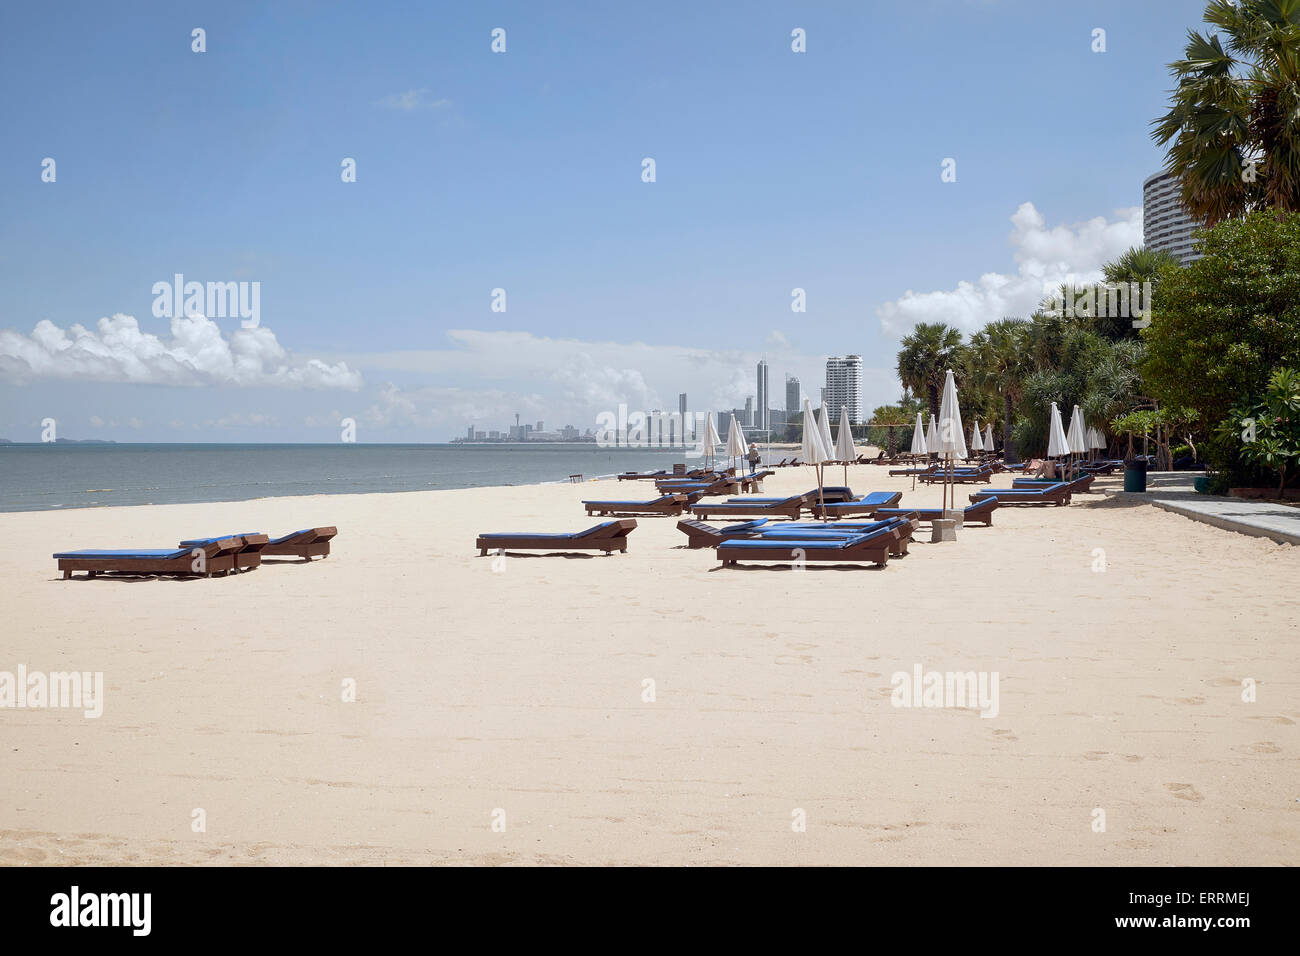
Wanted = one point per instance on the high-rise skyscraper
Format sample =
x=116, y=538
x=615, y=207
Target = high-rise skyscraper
x=792, y=394
x=681, y=405
x=762, y=416
x=748, y=420
x=1166, y=224
x=844, y=387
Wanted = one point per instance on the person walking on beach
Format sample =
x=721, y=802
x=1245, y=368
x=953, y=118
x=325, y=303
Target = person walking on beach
x=754, y=457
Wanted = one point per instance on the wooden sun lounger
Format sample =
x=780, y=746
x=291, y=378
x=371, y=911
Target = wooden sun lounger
x=215, y=557
x=608, y=536
x=248, y=557
x=974, y=476
x=638, y=475
x=837, y=529
x=863, y=507
x=873, y=547
x=1057, y=494
x=663, y=505
x=307, y=544
x=769, y=508
x=719, y=486
x=701, y=535
x=905, y=472
x=981, y=512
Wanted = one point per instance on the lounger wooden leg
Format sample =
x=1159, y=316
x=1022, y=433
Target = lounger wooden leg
x=482, y=552
x=67, y=575
x=91, y=573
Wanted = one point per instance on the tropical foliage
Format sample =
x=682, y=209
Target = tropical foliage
x=1225, y=323
x=1269, y=429
x=1233, y=126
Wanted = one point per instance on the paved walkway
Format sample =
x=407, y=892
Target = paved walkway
x=1174, y=491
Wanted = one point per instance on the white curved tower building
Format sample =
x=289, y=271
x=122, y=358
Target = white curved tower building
x=1165, y=223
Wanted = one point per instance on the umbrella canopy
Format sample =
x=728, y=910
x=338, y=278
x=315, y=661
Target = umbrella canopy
x=931, y=438
x=711, y=439
x=951, y=440
x=918, y=437
x=976, y=439
x=736, y=447
x=1056, y=441
x=844, y=449
x=824, y=429
x=812, y=451
x=988, y=436
x=1076, y=439
x=1096, y=439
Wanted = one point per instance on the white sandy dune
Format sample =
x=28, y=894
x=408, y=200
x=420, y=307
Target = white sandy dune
x=518, y=695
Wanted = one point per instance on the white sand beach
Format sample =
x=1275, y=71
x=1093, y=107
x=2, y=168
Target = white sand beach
x=521, y=690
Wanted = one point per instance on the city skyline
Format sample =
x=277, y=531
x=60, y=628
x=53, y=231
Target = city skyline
x=536, y=270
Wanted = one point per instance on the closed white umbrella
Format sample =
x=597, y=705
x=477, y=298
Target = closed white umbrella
x=813, y=451
x=844, y=449
x=1096, y=439
x=736, y=446
x=1057, y=444
x=952, y=443
x=824, y=429
x=932, y=437
x=976, y=439
x=918, y=444
x=711, y=439
x=918, y=437
x=1075, y=437
x=988, y=436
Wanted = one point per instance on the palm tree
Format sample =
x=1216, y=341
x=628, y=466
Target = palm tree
x=927, y=354
x=1139, y=264
x=999, y=361
x=1234, y=124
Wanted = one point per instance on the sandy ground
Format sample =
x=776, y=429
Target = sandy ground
x=517, y=689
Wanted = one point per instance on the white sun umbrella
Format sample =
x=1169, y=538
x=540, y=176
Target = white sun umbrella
x=1057, y=444
x=844, y=449
x=918, y=437
x=711, y=439
x=824, y=429
x=976, y=439
x=1096, y=439
x=988, y=436
x=736, y=447
x=952, y=443
x=918, y=445
x=1076, y=438
x=932, y=438
x=813, y=451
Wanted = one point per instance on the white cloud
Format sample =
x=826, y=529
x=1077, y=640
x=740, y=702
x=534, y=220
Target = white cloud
x=197, y=354
x=413, y=100
x=1045, y=258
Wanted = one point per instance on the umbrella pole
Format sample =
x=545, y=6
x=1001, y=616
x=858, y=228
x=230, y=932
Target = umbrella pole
x=821, y=494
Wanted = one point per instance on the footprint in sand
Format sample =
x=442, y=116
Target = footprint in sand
x=1196, y=701
x=1260, y=747
x=1098, y=754
x=1184, y=791
x=1275, y=719
x=793, y=659
x=1005, y=735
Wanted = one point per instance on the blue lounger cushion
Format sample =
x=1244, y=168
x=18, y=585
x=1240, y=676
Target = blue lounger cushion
x=631, y=504
x=292, y=534
x=200, y=542
x=874, y=498
x=807, y=544
x=558, y=536
x=1003, y=492
x=127, y=554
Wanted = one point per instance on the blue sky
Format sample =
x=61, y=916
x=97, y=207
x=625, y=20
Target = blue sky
x=522, y=171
